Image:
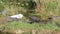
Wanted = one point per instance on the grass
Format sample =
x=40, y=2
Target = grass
x=13, y=26
x=50, y=6
x=24, y=26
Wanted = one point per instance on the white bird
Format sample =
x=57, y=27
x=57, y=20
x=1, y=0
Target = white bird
x=15, y=17
x=18, y=16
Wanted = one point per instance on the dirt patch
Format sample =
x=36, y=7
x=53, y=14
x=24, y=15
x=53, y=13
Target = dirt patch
x=31, y=31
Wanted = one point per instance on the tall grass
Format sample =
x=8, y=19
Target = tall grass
x=51, y=6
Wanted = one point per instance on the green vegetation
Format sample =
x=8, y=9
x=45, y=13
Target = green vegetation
x=51, y=6
x=47, y=8
x=20, y=25
x=26, y=26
